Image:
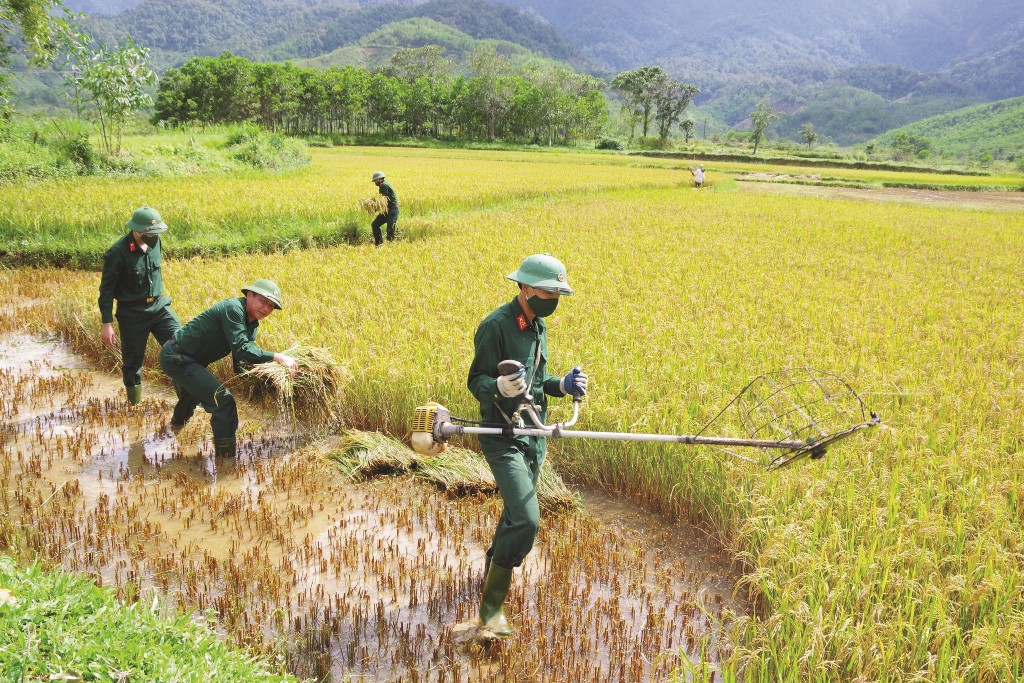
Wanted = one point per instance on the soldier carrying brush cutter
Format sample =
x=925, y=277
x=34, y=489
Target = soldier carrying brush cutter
x=131, y=276
x=228, y=326
x=517, y=331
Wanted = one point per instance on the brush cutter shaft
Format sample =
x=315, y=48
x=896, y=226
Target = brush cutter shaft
x=451, y=429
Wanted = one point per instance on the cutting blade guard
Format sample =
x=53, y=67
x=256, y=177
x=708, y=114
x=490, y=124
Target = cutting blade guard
x=802, y=405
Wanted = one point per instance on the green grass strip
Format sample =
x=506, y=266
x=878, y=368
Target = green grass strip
x=56, y=626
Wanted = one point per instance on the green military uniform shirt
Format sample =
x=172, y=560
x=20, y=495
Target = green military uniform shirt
x=219, y=330
x=132, y=276
x=508, y=334
x=389, y=192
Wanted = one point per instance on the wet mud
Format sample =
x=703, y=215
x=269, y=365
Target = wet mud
x=376, y=581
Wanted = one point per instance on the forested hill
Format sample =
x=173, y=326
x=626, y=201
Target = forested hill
x=996, y=128
x=291, y=29
x=975, y=42
x=851, y=69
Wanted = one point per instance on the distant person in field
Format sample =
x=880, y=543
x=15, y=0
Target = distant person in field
x=698, y=176
x=132, y=277
x=391, y=217
x=517, y=331
x=227, y=327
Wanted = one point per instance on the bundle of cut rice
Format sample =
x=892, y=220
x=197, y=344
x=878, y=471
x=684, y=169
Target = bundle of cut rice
x=374, y=206
x=458, y=471
x=311, y=396
x=364, y=455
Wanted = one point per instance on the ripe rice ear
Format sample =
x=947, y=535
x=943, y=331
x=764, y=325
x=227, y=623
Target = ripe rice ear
x=310, y=397
x=374, y=206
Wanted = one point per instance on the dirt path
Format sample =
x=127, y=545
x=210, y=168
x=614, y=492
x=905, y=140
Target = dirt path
x=377, y=581
x=992, y=201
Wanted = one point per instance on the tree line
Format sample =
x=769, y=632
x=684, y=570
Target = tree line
x=419, y=92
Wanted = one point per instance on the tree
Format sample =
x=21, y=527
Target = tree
x=429, y=74
x=640, y=89
x=761, y=118
x=115, y=80
x=39, y=30
x=808, y=134
x=687, y=126
x=489, y=86
x=672, y=99
x=905, y=145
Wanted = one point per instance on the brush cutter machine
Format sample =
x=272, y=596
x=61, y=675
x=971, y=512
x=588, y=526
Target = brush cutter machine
x=789, y=414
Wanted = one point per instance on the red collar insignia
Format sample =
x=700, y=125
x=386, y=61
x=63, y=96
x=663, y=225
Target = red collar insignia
x=132, y=246
x=522, y=322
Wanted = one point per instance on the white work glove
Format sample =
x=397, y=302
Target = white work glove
x=575, y=382
x=512, y=385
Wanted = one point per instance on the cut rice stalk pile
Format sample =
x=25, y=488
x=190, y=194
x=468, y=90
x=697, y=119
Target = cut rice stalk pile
x=311, y=396
x=458, y=471
x=364, y=455
x=374, y=206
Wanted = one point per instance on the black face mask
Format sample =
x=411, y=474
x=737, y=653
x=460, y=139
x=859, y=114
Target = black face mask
x=150, y=240
x=542, y=308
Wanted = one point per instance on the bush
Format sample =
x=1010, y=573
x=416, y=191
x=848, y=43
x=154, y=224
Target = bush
x=270, y=151
x=609, y=143
x=243, y=133
x=79, y=151
x=318, y=141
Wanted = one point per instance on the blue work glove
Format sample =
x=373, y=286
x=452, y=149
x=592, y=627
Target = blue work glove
x=512, y=385
x=575, y=382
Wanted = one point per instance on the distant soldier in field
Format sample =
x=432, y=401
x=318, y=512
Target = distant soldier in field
x=391, y=217
x=227, y=327
x=698, y=176
x=517, y=331
x=132, y=277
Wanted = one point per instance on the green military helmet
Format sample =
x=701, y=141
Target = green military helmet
x=543, y=272
x=267, y=289
x=146, y=221
x=377, y=175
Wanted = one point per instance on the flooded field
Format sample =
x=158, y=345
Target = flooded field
x=375, y=581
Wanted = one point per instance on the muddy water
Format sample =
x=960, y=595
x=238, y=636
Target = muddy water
x=376, y=581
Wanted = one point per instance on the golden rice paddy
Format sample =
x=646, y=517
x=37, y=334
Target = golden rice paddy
x=898, y=557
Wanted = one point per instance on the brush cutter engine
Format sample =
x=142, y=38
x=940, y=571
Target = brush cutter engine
x=789, y=414
x=427, y=435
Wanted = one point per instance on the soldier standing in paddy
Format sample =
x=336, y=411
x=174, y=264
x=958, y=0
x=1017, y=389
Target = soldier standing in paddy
x=227, y=327
x=132, y=277
x=517, y=331
x=391, y=217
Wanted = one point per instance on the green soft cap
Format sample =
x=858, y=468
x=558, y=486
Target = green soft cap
x=544, y=272
x=146, y=221
x=267, y=289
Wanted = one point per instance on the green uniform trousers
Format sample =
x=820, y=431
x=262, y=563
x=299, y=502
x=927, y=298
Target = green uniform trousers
x=134, y=326
x=200, y=387
x=515, y=464
x=391, y=219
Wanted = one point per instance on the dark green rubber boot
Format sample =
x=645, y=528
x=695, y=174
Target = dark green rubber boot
x=492, y=606
x=134, y=394
x=224, y=448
